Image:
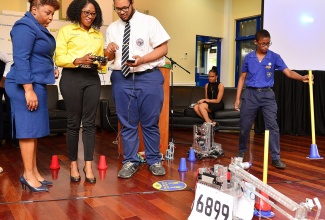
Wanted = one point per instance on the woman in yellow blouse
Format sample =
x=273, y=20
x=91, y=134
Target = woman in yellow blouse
x=78, y=45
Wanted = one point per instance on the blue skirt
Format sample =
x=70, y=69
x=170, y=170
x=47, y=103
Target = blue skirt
x=25, y=123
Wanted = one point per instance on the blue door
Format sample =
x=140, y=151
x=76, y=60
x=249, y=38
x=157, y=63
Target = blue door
x=208, y=51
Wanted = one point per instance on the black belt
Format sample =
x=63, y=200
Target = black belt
x=263, y=89
x=146, y=71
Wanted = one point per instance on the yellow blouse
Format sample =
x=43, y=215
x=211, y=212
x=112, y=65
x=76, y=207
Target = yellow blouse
x=74, y=42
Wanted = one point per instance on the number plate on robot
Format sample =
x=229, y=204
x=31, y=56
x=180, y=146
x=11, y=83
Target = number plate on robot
x=211, y=203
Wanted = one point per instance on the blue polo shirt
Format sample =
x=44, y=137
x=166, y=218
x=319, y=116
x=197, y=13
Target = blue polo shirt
x=261, y=74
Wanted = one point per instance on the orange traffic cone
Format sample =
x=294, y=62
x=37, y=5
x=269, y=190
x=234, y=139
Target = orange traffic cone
x=55, y=174
x=102, y=163
x=102, y=173
x=55, y=163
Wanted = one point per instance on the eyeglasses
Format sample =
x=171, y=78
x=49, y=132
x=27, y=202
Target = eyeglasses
x=265, y=44
x=87, y=13
x=124, y=9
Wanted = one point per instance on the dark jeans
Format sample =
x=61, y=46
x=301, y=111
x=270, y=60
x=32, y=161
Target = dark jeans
x=252, y=100
x=80, y=89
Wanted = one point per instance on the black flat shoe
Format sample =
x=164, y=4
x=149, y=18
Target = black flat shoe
x=46, y=183
x=25, y=184
x=75, y=178
x=89, y=180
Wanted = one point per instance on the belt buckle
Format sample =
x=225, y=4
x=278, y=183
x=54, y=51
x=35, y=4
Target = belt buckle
x=259, y=89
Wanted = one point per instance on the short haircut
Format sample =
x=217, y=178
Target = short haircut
x=35, y=3
x=129, y=1
x=262, y=34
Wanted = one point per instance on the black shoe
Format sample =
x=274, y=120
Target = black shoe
x=278, y=164
x=89, y=180
x=75, y=178
x=240, y=154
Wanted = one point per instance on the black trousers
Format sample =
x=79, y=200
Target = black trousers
x=7, y=108
x=80, y=89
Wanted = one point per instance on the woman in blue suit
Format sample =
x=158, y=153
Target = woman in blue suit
x=33, y=68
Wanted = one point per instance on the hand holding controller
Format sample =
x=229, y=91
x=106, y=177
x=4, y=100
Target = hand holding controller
x=100, y=59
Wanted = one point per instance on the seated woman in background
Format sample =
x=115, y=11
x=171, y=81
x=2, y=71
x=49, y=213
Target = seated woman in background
x=213, y=98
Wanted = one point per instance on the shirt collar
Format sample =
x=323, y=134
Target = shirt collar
x=33, y=19
x=268, y=54
x=136, y=13
x=77, y=26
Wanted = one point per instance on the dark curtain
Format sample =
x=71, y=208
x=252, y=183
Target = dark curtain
x=293, y=102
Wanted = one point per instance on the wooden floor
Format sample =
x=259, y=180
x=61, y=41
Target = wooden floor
x=135, y=198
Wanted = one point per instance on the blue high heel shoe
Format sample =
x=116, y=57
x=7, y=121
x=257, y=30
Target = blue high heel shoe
x=24, y=183
x=46, y=183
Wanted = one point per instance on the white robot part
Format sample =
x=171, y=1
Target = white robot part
x=234, y=179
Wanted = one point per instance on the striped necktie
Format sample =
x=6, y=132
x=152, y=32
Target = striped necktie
x=125, y=49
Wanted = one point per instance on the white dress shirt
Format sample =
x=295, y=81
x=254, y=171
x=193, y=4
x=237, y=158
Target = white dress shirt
x=4, y=57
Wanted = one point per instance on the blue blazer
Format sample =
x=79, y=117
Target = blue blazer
x=33, y=50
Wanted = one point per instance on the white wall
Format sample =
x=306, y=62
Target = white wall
x=7, y=20
x=300, y=39
x=183, y=20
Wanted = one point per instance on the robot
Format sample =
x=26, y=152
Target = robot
x=203, y=142
x=234, y=180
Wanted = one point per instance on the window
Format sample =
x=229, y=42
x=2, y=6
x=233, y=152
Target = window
x=207, y=55
x=245, y=34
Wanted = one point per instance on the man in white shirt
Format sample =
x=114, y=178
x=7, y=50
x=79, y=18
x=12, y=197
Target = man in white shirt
x=138, y=92
x=5, y=63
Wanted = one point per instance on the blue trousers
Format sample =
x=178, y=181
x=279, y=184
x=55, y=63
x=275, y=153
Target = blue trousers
x=138, y=99
x=252, y=100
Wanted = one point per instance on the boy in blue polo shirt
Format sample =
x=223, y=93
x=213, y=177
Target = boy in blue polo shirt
x=258, y=77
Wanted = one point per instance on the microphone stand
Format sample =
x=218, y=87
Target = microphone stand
x=170, y=151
